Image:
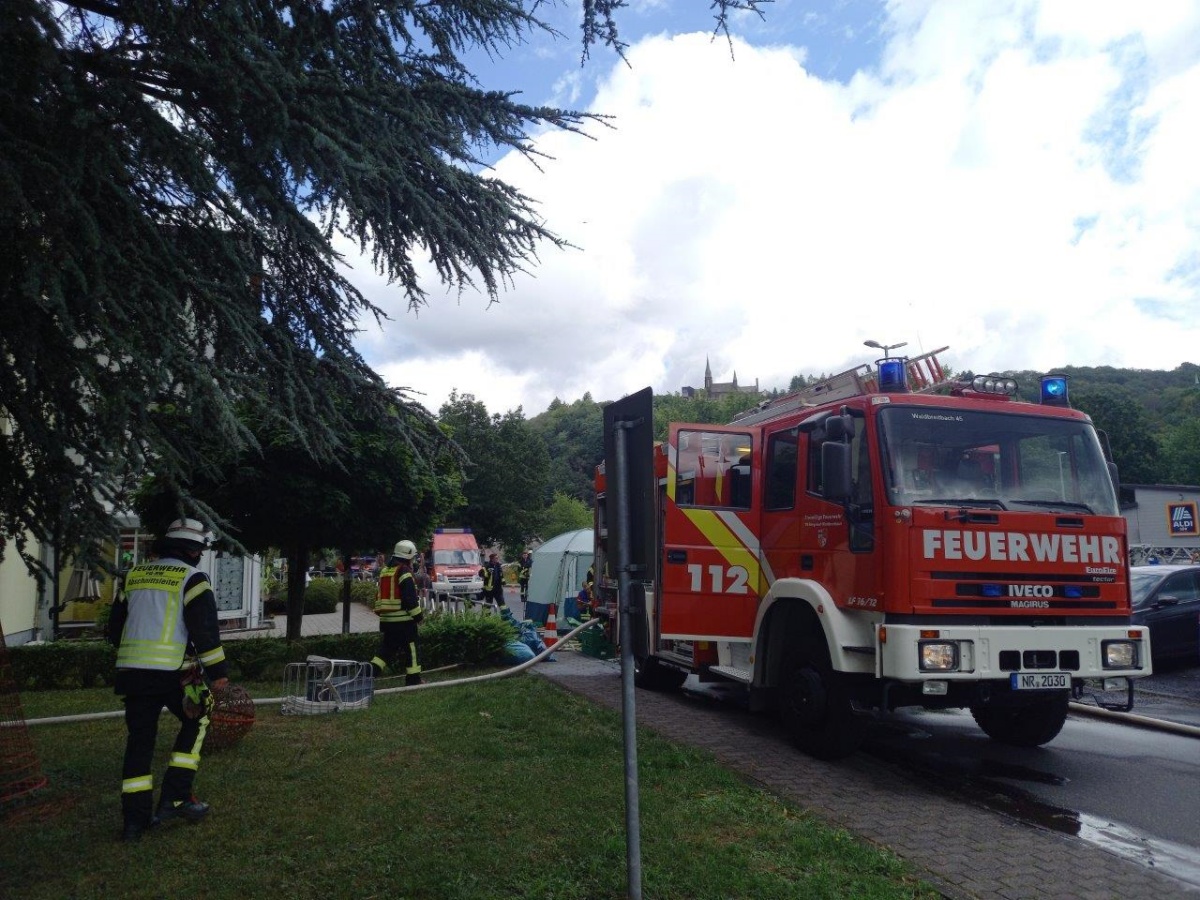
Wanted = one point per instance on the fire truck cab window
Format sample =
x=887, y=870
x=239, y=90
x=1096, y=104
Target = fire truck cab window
x=861, y=506
x=994, y=460
x=713, y=469
x=781, y=470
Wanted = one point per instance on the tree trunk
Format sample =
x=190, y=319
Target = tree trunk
x=346, y=579
x=297, y=558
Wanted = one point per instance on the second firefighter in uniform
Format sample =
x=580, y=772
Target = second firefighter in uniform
x=399, y=611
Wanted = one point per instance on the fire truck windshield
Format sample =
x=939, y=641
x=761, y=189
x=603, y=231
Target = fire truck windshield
x=993, y=460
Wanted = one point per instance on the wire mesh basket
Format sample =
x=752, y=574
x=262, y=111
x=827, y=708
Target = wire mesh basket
x=322, y=685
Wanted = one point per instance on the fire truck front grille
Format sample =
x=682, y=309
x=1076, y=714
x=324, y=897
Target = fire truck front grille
x=1016, y=661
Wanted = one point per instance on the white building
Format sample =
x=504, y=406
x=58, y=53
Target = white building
x=1162, y=521
x=25, y=600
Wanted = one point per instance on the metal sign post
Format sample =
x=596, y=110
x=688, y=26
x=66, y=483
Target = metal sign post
x=631, y=489
x=633, y=828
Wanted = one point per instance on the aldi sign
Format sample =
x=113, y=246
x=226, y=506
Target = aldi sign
x=1181, y=519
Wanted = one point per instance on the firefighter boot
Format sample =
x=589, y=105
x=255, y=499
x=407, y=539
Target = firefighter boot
x=412, y=679
x=135, y=828
x=190, y=810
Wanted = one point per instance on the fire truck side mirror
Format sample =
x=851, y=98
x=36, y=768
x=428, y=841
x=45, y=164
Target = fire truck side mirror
x=839, y=428
x=837, y=484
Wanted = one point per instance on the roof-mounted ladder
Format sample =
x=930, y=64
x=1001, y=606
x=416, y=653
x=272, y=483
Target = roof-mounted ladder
x=925, y=373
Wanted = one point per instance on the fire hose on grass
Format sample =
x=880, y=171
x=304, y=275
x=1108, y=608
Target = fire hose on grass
x=262, y=701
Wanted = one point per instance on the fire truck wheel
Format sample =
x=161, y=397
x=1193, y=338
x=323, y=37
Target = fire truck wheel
x=652, y=675
x=1027, y=725
x=815, y=707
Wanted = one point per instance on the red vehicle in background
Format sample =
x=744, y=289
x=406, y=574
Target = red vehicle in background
x=454, y=563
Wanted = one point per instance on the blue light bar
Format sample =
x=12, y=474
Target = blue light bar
x=992, y=590
x=1054, y=390
x=1073, y=591
x=893, y=376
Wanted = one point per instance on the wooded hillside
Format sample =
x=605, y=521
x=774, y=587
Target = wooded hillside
x=1151, y=419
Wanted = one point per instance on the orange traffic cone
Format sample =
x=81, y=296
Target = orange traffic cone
x=550, y=635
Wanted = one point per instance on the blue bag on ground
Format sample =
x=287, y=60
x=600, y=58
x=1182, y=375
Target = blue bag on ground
x=515, y=652
x=528, y=635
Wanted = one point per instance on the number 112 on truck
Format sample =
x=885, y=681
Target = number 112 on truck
x=886, y=538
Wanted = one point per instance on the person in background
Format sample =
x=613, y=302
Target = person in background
x=400, y=614
x=422, y=578
x=524, y=565
x=166, y=610
x=496, y=581
x=485, y=578
x=583, y=600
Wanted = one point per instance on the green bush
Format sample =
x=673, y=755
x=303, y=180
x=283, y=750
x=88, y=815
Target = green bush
x=446, y=639
x=467, y=640
x=364, y=592
x=321, y=596
x=63, y=664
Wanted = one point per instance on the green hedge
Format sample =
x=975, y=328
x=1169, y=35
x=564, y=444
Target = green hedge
x=446, y=639
x=321, y=596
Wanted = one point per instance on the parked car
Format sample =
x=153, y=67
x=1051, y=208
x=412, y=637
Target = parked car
x=1167, y=599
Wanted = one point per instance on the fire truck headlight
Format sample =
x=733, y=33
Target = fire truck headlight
x=938, y=656
x=1120, y=654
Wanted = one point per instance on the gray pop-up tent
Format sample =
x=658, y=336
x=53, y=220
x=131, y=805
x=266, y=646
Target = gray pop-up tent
x=557, y=574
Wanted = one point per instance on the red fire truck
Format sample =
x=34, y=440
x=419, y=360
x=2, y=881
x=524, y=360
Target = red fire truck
x=865, y=544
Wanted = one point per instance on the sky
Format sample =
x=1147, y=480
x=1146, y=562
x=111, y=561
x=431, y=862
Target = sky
x=1018, y=181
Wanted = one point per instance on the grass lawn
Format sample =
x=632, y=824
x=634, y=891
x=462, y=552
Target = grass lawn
x=513, y=788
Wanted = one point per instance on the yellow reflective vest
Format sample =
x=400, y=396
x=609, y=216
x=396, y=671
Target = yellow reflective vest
x=155, y=636
x=388, y=604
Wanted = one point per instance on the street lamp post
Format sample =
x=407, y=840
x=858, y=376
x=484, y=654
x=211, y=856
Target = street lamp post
x=886, y=348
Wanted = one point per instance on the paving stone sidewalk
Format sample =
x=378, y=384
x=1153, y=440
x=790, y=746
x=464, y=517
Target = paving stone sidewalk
x=963, y=850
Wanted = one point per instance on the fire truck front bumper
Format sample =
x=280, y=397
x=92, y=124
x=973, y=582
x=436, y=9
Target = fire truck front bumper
x=1028, y=657
x=458, y=588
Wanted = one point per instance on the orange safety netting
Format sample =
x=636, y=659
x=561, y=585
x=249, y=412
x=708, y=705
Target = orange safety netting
x=20, y=770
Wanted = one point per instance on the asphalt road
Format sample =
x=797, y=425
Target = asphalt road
x=1132, y=790
x=1171, y=693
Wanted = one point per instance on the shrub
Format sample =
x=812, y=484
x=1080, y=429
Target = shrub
x=468, y=640
x=446, y=639
x=63, y=664
x=364, y=592
x=321, y=596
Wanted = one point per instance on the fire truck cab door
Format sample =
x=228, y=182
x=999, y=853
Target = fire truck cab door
x=710, y=565
x=837, y=539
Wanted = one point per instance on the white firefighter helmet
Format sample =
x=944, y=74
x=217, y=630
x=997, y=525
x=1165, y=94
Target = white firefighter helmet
x=191, y=530
x=405, y=550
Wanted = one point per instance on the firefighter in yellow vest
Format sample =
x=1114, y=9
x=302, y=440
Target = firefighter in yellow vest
x=166, y=611
x=399, y=613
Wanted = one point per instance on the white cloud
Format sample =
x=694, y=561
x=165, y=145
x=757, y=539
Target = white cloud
x=1015, y=181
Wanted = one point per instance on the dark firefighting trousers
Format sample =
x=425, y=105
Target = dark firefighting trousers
x=141, y=722
x=399, y=651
